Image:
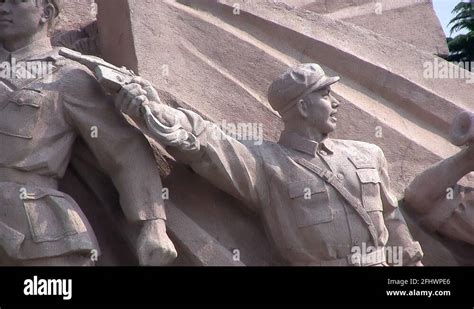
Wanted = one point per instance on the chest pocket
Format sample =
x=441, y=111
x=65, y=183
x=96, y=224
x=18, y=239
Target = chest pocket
x=370, y=184
x=310, y=202
x=20, y=114
x=52, y=215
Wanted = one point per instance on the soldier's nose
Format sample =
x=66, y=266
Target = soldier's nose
x=5, y=7
x=335, y=103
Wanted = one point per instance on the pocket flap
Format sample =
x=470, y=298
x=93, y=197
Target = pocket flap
x=53, y=217
x=301, y=188
x=39, y=193
x=20, y=116
x=10, y=240
x=362, y=162
x=368, y=176
x=27, y=97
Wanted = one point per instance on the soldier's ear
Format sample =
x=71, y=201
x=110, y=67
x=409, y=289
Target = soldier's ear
x=49, y=13
x=302, y=108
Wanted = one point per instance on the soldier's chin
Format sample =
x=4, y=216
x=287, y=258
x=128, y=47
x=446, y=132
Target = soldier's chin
x=331, y=126
x=5, y=33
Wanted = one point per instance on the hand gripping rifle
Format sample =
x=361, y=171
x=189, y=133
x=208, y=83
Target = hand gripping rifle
x=113, y=78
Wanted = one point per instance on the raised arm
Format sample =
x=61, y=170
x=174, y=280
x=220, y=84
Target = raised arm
x=442, y=204
x=433, y=184
x=227, y=163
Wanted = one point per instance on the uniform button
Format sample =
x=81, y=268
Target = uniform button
x=340, y=176
x=323, y=153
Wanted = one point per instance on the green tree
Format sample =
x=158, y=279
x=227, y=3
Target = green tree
x=462, y=46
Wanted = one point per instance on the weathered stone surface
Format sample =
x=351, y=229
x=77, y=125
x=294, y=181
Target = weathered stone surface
x=327, y=6
x=76, y=28
x=76, y=14
x=399, y=22
x=391, y=18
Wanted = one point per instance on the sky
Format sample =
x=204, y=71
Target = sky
x=443, y=9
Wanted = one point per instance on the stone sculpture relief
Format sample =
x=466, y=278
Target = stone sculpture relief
x=320, y=198
x=47, y=102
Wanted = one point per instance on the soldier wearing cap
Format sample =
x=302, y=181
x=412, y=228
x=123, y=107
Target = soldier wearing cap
x=319, y=197
x=42, y=114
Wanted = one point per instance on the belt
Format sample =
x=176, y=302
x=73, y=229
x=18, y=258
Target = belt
x=375, y=258
x=26, y=178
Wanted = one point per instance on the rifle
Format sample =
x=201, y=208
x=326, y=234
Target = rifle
x=113, y=78
x=109, y=76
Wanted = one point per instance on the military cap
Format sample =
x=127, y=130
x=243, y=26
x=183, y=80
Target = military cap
x=297, y=82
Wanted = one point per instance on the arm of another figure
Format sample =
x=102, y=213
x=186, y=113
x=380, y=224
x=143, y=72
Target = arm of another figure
x=126, y=157
x=443, y=205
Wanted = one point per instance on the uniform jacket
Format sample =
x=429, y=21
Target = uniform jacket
x=40, y=119
x=308, y=222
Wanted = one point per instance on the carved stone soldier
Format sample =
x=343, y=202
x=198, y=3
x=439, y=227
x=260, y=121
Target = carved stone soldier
x=42, y=113
x=319, y=197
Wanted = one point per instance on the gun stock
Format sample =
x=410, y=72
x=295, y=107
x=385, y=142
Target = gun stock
x=109, y=76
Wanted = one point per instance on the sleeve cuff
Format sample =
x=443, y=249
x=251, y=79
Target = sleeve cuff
x=412, y=254
x=151, y=211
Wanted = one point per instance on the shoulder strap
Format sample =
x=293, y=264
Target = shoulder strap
x=354, y=202
x=19, y=84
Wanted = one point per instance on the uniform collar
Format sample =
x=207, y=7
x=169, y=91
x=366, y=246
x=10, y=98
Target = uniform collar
x=297, y=142
x=4, y=54
x=35, y=51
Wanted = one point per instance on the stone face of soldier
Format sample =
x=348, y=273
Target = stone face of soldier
x=21, y=20
x=317, y=111
x=320, y=109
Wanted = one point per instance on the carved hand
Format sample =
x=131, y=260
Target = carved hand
x=154, y=246
x=130, y=101
x=151, y=93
